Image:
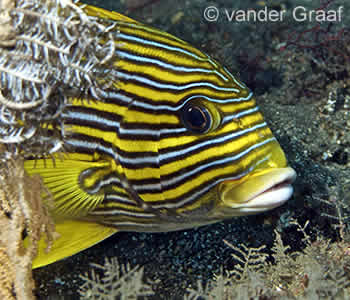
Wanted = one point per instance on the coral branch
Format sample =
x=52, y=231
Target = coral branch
x=21, y=213
x=50, y=52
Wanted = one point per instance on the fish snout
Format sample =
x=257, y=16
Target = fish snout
x=261, y=191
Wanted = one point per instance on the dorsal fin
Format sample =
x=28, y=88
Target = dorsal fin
x=106, y=14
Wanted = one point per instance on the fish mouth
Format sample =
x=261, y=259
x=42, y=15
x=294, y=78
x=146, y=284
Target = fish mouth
x=261, y=191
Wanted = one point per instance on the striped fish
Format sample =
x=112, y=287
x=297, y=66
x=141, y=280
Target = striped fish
x=179, y=142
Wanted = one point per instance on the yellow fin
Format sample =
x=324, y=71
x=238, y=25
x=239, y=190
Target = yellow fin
x=75, y=236
x=63, y=179
x=106, y=14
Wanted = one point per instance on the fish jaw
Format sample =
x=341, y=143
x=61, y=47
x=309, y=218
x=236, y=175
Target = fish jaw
x=259, y=192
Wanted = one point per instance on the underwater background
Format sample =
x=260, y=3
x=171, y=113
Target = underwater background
x=300, y=74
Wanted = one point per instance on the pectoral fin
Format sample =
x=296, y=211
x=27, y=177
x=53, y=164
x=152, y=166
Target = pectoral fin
x=68, y=180
x=75, y=236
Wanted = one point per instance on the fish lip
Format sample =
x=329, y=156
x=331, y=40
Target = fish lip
x=269, y=199
x=286, y=180
x=276, y=188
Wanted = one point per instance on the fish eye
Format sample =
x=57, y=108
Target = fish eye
x=196, y=118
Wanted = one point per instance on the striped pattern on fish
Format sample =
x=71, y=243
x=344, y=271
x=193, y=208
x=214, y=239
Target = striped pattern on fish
x=176, y=142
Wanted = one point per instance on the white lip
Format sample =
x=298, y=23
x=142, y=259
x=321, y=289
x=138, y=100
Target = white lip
x=268, y=199
x=276, y=183
x=261, y=192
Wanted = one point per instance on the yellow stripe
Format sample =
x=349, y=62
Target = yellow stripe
x=151, y=31
x=118, y=205
x=235, y=146
x=155, y=35
x=161, y=74
x=203, y=177
x=137, y=116
x=108, y=136
x=164, y=55
x=100, y=106
x=105, y=14
x=166, y=143
x=232, y=147
x=232, y=108
x=161, y=95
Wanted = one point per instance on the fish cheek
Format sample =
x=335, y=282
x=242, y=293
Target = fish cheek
x=139, y=155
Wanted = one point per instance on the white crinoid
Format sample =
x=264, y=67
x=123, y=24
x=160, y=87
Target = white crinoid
x=50, y=50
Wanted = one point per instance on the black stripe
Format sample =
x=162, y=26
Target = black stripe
x=174, y=72
x=116, y=151
x=181, y=171
x=113, y=117
x=109, y=98
x=105, y=178
x=191, y=192
x=151, y=126
x=169, y=90
x=198, y=149
x=86, y=138
x=155, y=33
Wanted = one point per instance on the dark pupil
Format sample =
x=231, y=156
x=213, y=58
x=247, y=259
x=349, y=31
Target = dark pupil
x=196, y=117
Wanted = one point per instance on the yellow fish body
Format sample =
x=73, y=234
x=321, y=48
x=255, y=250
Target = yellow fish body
x=178, y=142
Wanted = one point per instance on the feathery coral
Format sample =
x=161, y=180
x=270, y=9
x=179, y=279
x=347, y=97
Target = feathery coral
x=50, y=50
x=21, y=213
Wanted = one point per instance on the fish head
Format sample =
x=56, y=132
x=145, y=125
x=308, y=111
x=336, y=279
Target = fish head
x=213, y=155
x=192, y=140
x=245, y=170
x=264, y=181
